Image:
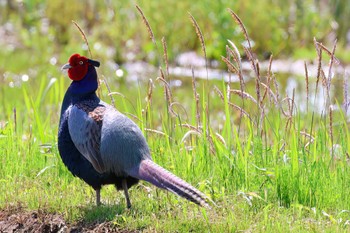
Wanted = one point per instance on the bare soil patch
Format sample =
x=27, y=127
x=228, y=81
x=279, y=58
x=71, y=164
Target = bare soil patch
x=16, y=219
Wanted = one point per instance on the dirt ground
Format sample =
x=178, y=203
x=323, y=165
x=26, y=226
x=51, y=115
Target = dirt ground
x=19, y=220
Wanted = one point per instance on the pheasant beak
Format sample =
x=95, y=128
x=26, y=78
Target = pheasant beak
x=66, y=66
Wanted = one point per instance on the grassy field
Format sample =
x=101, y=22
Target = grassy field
x=269, y=164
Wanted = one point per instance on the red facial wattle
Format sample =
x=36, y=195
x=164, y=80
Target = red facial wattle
x=79, y=67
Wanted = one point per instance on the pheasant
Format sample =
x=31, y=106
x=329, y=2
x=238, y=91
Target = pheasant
x=102, y=146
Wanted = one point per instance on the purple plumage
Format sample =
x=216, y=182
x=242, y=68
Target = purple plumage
x=102, y=146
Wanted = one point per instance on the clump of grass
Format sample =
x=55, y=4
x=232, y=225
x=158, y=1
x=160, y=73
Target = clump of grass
x=201, y=39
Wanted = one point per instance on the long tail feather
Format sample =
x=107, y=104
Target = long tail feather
x=155, y=174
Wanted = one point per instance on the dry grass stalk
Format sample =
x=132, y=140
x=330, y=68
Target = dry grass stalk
x=196, y=97
x=326, y=85
x=148, y=26
x=167, y=90
x=321, y=46
x=15, y=118
x=156, y=131
x=271, y=94
x=345, y=92
x=237, y=57
x=288, y=115
x=236, y=107
x=82, y=33
x=171, y=107
x=191, y=127
x=209, y=137
x=149, y=95
x=190, y=133
x=319, y=64
x=307, y=86
x=248, y=50
x=125, y=98
x=116, y=93
x=250, y=56
x=165, y=56
x=307, y=135
x=241, y=25
x=200, y=36
x=231, y=53
x=83, y=36
x=293, y=102
x=284, y=112
x=275, y=83
x=221, y=139
x=217, y=90
x=150, y=91
x=331, y=126
x=324, y=80
x=257, y=86
x=243, y=112
x=133, y=116
x=109, y=90
x=329, y=79
x=291, y=107
x=228, y=85
x=269, y=70
x=235, y=53
x=252, y=60
x=232, y=68
x=267, y=86
x=245, y=95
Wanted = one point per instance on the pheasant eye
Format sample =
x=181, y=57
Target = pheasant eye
x=81, y=62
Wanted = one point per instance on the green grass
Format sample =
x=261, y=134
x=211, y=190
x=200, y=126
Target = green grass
x=263, y=173
x=259, y=182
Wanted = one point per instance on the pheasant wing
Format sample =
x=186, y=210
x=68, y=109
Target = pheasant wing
x=84, y=124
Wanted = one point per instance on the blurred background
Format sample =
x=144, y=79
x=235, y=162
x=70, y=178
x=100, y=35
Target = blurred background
x=37, y=37
x=115, y=30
